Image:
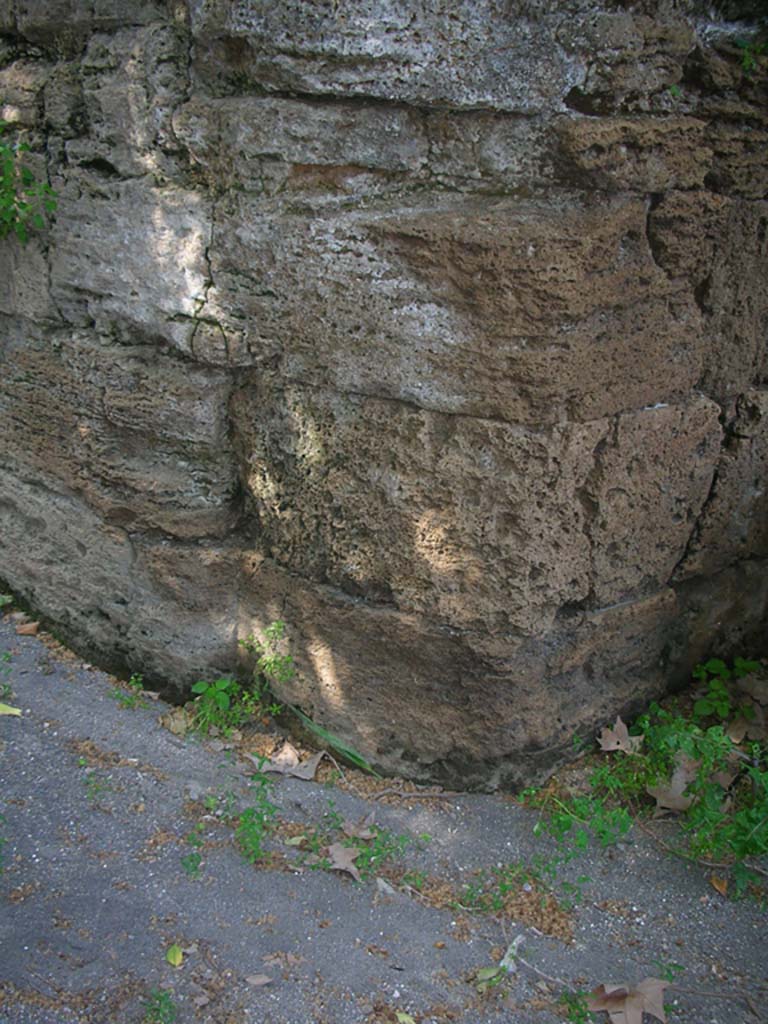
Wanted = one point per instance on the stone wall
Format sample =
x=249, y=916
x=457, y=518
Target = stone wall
x=437, y=330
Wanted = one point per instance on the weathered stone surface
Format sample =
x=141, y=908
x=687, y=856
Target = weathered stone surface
x=20, y=86
x=648, y=490
x=470, y=522
x=106, y=592
x=436, y=330
x=720, y=247
x=131, y=257
x=457, y=54
x=503, y=718
x=642, y=153
x=144, y=443
x=23, y=281
x=58, y=22
x=734, y=523
x=524, y=311
x=132, y=82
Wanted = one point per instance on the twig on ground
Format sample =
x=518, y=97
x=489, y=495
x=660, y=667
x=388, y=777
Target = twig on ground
x=394, y=791
x=737, y=994
x=679, y=853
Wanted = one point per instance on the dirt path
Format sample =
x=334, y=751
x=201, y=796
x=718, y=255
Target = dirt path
x=120, y=843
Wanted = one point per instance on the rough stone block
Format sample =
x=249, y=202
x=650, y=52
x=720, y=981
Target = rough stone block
x=145, y=445
x=132, y=81
x=467, y=521
x=720, y=246
x=734, y=522
x=131, y=257
x=503, y=719
x=461, y=53
x=648, y=490
x=645, y=154
x=21, y=86
x=523, y=311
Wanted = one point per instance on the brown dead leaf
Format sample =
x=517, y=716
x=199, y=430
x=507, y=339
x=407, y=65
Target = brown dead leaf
x=625, y=1005
x=618, y=738
x=361, y=829
x=670, y=795
x=28, y=628
x=755, y=686
x=258, y=980
x=737, y=729
x=287, y=763
x=343, y=859
x=178, y=721
x=721, y=884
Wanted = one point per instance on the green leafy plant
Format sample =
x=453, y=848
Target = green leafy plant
x=255, y=823
x=717, y=675
x=24, y=201
x=5, y=601
x=191, y=862
x=159, y=1007
x=218, y=705
x=751, y=52
x=575, y=1007
x=5, y=671
x=685, y=762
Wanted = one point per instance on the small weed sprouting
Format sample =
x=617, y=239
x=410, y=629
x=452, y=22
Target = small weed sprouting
x=5, y=601
x=132, y=698
x=191, y=862
x=272, y=665
x=718, y=700
x=94, y=786
x=159, y=1008
x=668, y=970
x=751, y=52
x=256, y=822
x=575, y=1007
x=218, y=706
x=5, y=671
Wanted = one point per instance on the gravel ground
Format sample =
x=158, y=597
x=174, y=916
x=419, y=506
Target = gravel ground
x=97, y=804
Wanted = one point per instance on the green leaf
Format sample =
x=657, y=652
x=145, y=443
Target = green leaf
x=486, y=973
x=200, y=687
x=334, y=742
x=222, y=700
x=6, y=709
x=223, y=684
x=404, y=1018
x=174, y=955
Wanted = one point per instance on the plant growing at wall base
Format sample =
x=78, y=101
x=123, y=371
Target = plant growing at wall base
x=24, y=201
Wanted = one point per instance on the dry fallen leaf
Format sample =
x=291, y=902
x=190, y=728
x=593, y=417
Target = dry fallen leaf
x=670, y=795
x=361, y=829
x=287, y=763
x=177, y=721
x=258, y=980
x=618, y=738
x=721, y=884
x=343, y=859
x=625, y=1005
x=754, y=685
x=28, y=628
